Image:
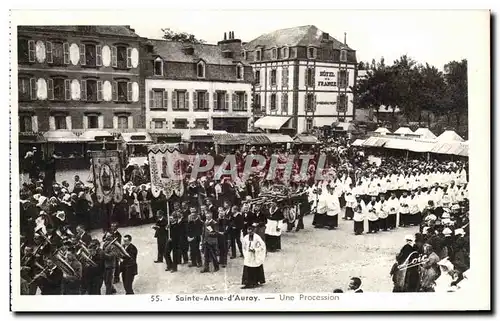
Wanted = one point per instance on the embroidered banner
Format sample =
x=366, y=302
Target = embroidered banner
x=107, y=176
x=165, y=165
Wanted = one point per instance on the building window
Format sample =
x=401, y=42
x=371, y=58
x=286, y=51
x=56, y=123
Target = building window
x=293, y=52
x=342, y=103
x=309, y=124
x=284, y=103
x=122, y=122
x=57, y=53
x=285, y=52
x=200, y=70
x=89, y=55
x=273, y=101
x=25, y=124
x=26, y=50
x=60, y=122
x=91, y=90
x=58, y=89
x=310, y=103
x=158, y=123
x=342, y=78
x=311, y=52
x=256, y=103
x=180, y=100
x=221, y=100
x=239, y=72
x=92, y=121
x=123, y=91
x=258, y=55
x=201, y=123
x=121, y=57
x=200, y=100
x=158, y=67
x=310, y=77
x=239, y=101
x=274, y=53
x=343, y=55
x=180, y=123
x=273, y=77
x=257, y=77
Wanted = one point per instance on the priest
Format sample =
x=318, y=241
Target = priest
x=254, y=251
x=273, y=228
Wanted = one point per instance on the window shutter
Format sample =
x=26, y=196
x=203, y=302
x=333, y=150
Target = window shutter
x=52, y=122
x=234, y=101
x=85, y=122
x=195, y=100
x=66, y=53
x=282, y=102
x=115, y=122
x=129, y=57
x=130, y=121
x=165, y=99
x=215, y=100
x=67, y=89
x=114, y=91
x=206, y=100
x=313, y=76
x=100, y=121
x=227, y=101
x=151, y=99
x=98, y=55
x=347, y=79
x=99, y=90
x=174, y=100
x=68, y=123
x=114, y=56
x=245, y=103
x=152, y=124
x=50, y=89
x=338, y=103
x=305, y=78
x=186, y=100
x=31, y=51
x=314, y=102
x=82, y=55
x=129, y=91
x=34, y=123
x=83, y=90
x=48, y=52
x=32, y=88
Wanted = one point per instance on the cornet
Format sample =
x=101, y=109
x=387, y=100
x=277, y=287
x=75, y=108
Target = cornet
x=117, y=249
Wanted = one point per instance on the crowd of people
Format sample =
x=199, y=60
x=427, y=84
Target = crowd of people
x=217, y=219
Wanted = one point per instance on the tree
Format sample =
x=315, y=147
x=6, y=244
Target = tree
x=433, y=87
x=456, y=95
x=169, y=34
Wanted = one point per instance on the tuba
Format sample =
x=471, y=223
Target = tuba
x=60, y=261
x=83, y=255
x=116, y=248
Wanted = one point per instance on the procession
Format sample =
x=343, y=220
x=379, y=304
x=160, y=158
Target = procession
x=281, y=164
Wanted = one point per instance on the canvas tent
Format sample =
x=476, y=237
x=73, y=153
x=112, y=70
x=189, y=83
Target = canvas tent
x=403, y=131
x=382, y=130
x=425, y=133
x=450, y=136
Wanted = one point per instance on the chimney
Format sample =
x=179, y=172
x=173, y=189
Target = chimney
x=345, y=38
x=225, y=36
x=230, y=47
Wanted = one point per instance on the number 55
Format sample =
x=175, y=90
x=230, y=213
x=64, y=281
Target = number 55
x=155, y=298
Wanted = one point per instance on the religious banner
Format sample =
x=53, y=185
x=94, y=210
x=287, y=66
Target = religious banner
x=165, y=165
x=107, y=176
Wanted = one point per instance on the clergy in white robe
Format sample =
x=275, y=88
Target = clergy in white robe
x=331, y=219
x=254, y=252
x=319, y=216
x=393, y=212
x=414, y=204
x=274, y=228
x=358, y=217
x=383, y=213
x=372, y=216
x=350, y=203
x=404, y=209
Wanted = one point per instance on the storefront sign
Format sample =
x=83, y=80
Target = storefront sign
x=326, y=77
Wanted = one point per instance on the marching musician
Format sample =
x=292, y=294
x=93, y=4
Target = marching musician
x=51, y=279
x=182, y=227
x=194, y=231
x=254, y=249
x=95, y=274
x=223, y=235
x=128, y=267
x=273, y=228
x=110, y=263
x=115, y=234
x=161, y=236
x=174, y=242
x=72, y=283
x=248, y=216
x=209, y=242
x=82, y=235
x=236, y=224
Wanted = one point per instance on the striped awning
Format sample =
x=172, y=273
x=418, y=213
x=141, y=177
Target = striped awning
x=358, y=142
x=305, y=139
x=61, y=136
x=375, y=142
x=271, y=122
x=279, y=138
x=241, y=139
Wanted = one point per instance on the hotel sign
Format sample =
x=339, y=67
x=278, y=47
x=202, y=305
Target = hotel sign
x=326, y=77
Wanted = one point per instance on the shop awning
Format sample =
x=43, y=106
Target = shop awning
x=136, y=138
x=61, y=136
x=93, y=135
x=358, y=142
x=241, y=139
x=398, y=144
x=31, y=138
x=271, y=122
x=375, y=142
x=201, y=135
x=279, y=138
x=305, y=139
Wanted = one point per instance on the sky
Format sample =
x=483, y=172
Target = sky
x=435, y=37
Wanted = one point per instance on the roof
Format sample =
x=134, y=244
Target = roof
x=403, y=130
x=382, y=130
x=305, y=139
x=271, y=122
x=103, y=30
x=296, y=36
x=241, y=139
x=375, y=142
x=174, y=51
x=358, y=142
x=425, y=133
x=450, y=136
x=279, y=138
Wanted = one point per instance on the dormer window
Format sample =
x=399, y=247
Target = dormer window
x=343, y=55
x=200, y=69
x=274, y=53
x=258, y=55
x=239, y=72
x=285, y=52
x=158, y=67
x=311, y=52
